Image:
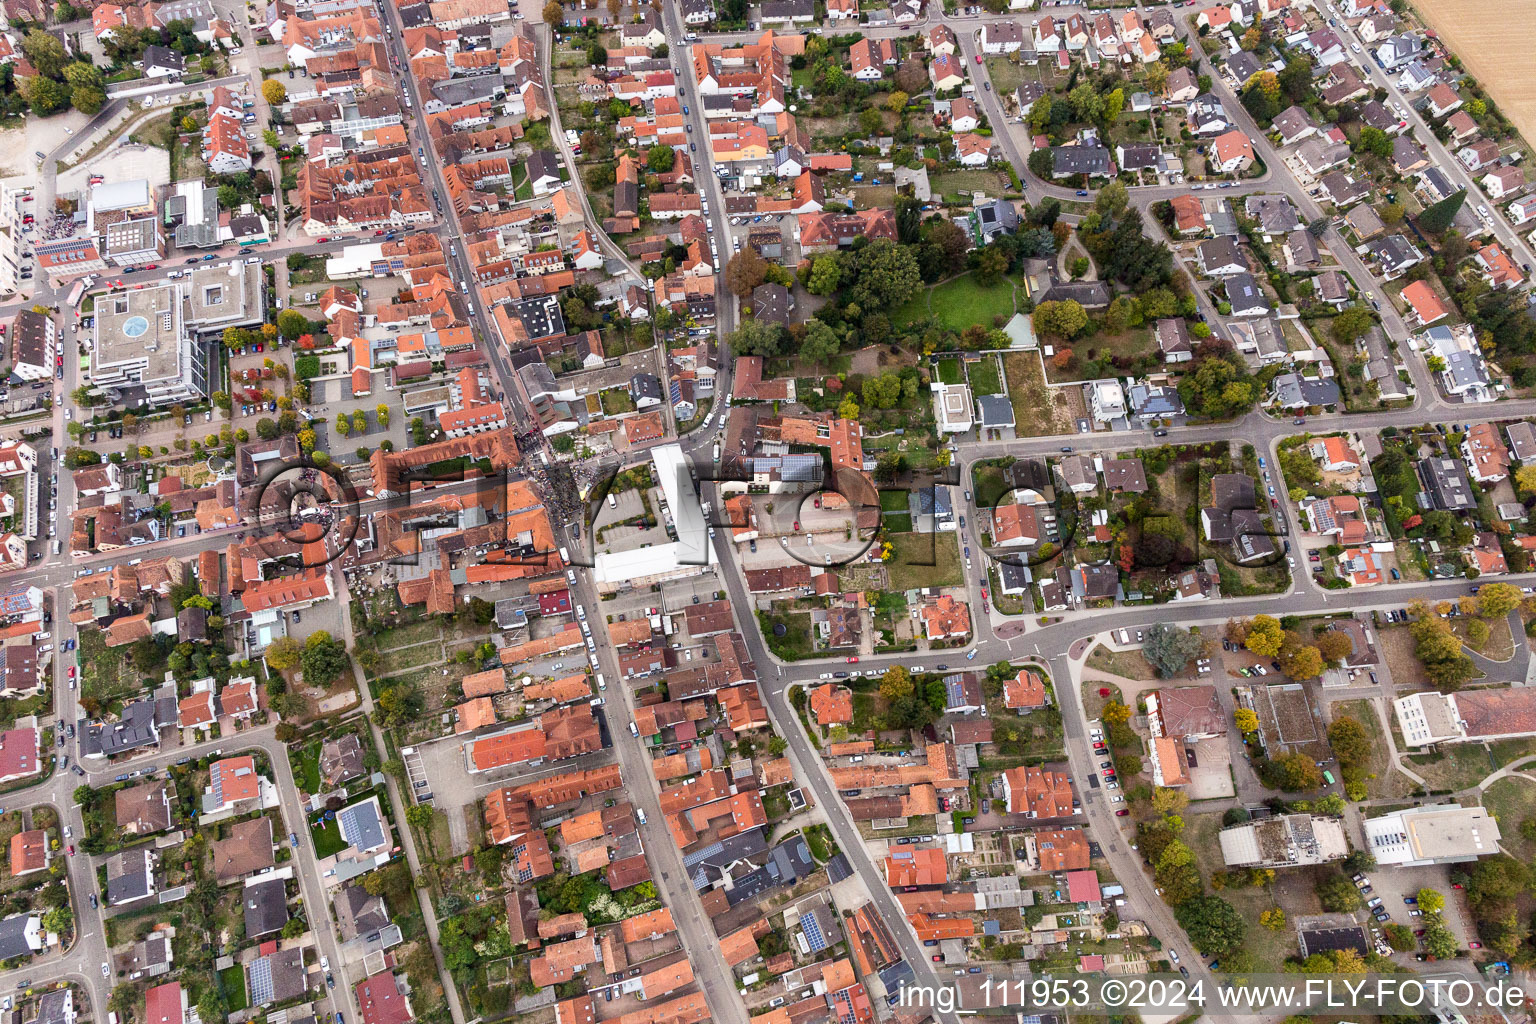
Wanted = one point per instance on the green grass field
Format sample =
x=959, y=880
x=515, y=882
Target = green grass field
x=1513, y=800
x=961, y=302
x=958, y=304
x=232, y=983
x=327, y=837
x=796, y=641
x=985, y=377
x=924, y=560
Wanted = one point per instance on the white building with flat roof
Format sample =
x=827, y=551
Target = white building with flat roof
x=1487, y=714
x=1442, y=834
x=1286, y=841
x=952, y=408
x=1427, y=718
x=151, y=346
x=12, y=242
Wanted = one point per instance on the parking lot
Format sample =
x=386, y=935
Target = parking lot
x=1392, y=884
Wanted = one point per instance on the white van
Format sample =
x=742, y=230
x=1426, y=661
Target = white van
x=634, y=730
x=613, y=500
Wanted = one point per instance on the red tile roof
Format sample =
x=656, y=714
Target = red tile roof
x=381, y=1000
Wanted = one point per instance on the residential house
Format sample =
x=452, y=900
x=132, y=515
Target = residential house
x=1484, y=452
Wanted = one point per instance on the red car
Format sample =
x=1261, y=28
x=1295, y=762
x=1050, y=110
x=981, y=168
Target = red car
x=1122, y=812
x=1475, y=945
x=71, y=671
x=853, y=660
x=379, y=233
x=152, y=266
x=71, y=849
x=797, y=526
x=324, y=240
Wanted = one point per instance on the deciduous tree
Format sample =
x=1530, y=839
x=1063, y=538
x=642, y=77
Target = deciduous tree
x=1063, y=319
x=1264, y=636
x=1496, y=600
x=1338, y=895
x=283, y=654
x=1213, y=924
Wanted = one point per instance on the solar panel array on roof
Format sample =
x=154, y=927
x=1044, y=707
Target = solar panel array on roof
x=524, y=874
x=360, y=823
x=216, y=782
x=842, y=1005
x=261, y=981
x=813, y=936
x=838, y=868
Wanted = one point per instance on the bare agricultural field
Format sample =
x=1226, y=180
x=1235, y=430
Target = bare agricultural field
x=1494, y=39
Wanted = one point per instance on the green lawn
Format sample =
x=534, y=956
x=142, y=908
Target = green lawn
x=961, y=302
x=893, y=501
x=795, y=644
x=952, y=183
x=913, y=310
x=924, y=560
x=617, y=401
x=1512, y=801
x=232, y=982
x=412, y=633
x=1464, y=765
x=989, y=483
x=985, y=377
x=949, y=370
x=327, y=838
